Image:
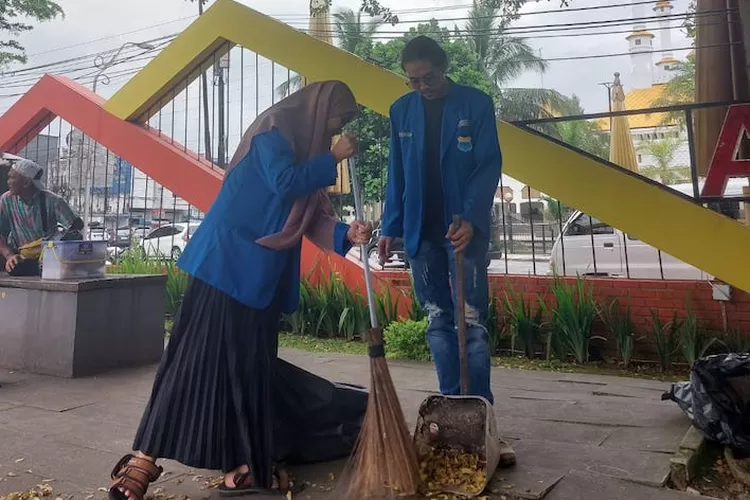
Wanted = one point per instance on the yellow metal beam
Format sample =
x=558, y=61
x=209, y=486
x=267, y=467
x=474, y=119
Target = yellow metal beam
x=703, y=238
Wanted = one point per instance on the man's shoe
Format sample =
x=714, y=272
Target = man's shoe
x=507, y=455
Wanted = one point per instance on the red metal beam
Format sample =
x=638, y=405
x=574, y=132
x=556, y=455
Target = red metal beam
x=156, y=156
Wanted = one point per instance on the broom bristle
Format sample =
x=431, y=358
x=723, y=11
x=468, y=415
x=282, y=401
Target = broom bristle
x=384, y=464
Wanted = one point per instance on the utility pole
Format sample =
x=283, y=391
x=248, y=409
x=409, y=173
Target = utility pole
x=221, y=66
x=204, y=81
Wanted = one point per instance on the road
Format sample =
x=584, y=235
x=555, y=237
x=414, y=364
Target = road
x=516, y=264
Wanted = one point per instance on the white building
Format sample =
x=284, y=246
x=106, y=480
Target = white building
x=646, y=86
x=117, y=187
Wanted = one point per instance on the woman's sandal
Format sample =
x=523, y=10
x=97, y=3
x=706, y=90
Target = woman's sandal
x=133, y=474
x=241, y=487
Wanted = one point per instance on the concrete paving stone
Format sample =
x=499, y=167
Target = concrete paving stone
x=84, y=468
x=46, y=395
x=631, y=413
x=126, y=412
x=7, y=406
x=524, y=481
x=23, y=481
x=633, y=465
x=664, y=439
x=519, y=428
x=582, y=486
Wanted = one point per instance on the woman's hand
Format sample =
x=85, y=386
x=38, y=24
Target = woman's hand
x=344, y=148
x=359, y=232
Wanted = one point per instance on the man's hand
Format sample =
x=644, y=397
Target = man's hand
x=344, y=148
x=359, y=232
x=11, y=262
x=460, y=235
x=384, y=249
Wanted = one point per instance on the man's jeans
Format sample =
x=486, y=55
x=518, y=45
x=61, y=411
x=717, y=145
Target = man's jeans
x=431, y=269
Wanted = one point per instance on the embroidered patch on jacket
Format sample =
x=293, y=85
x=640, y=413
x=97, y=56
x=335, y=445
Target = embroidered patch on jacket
x=464, y=123
x=404, y=135
x=464, y=144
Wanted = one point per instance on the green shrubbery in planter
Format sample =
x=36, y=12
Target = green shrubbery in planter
x=137, y=262
x=329, y=309
x=572, y=319
x=620, y=324
x=523, y=325
x=407, y=340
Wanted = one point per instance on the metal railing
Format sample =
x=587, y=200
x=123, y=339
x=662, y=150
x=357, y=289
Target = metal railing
x=531, y=232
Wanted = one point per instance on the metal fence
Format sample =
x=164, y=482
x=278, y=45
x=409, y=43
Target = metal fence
x=208, y=112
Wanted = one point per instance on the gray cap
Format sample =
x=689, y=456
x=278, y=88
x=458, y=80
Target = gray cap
x=31, y=171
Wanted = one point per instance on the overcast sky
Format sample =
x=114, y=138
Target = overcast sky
x=91, y=26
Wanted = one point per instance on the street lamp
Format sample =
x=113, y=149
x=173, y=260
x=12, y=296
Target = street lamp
x=103, y=62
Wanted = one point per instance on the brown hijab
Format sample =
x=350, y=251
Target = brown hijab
x=302, y=118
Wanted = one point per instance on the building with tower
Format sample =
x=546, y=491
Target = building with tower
x=646, y=85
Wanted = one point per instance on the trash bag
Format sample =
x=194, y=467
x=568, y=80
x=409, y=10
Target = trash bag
x=717, y=399
x=315, y=420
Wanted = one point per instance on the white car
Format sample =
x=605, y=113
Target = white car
x=168, y=242
x=590, y=247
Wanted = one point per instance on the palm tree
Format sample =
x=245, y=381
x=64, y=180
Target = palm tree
x=583, y=134
x=663, y=170
x=503, y=58
x=352, y=34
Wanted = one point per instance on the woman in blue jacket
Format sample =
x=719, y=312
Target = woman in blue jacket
x=210, y=405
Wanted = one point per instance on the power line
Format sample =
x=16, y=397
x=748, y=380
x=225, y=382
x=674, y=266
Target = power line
x=403, y=11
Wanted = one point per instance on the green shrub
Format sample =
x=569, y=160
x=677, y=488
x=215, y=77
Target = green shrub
x=666, y=339
x=572, y=319
x=329, y=309
x=693, y=340
x=135, y=261
x=493, y=322
x=524, y=325
x=387, y=306
x=416, y=311
x=407, y=340
x=620, y=324
x=736, y=341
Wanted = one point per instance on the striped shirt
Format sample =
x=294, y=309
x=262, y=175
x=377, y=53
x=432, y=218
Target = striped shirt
x=21, y=221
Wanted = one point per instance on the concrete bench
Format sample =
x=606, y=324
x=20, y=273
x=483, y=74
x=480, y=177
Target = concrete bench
x=78, y=328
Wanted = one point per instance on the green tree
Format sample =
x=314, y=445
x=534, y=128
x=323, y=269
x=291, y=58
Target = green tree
x=14, y=18
x=373, y=128
x=663, y=168
x=583, y=134
x=503, y=58
x=352, y=33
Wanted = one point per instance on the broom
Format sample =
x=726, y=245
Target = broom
x=384, y=463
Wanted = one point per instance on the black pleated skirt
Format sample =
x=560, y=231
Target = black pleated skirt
x=210, y=407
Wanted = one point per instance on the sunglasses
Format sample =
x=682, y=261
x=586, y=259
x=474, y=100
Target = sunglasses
x=428, y=80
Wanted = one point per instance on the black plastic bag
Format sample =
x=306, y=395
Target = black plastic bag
x=717, y=399
x=315, y=420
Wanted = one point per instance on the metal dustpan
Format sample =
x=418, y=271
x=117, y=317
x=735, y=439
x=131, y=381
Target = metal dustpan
x=456, y=438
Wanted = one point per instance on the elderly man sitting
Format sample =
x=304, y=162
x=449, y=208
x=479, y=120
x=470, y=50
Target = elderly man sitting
x=28, y=214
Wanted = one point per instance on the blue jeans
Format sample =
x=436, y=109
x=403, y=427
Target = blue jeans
x=433, y=270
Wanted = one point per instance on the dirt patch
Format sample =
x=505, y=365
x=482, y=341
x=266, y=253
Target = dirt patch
x=716, y=478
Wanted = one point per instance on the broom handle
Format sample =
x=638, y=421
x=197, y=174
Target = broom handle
x=463, y=356
x=359, y=212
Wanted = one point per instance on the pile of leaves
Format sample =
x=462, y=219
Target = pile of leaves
x=446, y=470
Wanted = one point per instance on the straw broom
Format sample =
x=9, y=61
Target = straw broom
x=384, y=463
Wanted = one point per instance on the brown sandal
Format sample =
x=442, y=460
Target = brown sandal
x=133, y=474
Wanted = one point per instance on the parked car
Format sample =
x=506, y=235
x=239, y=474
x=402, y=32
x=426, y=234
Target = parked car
x=168, y=241
x=123, y=236
x=589, y=247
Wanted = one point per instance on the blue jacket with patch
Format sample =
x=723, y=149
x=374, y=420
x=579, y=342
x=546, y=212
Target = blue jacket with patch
x=254, y=201
x=470, y=163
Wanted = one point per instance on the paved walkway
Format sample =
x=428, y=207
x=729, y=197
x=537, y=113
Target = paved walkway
x=577, y=436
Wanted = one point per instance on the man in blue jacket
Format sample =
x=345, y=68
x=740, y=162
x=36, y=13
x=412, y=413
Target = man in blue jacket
x=444, y=160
